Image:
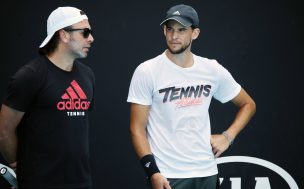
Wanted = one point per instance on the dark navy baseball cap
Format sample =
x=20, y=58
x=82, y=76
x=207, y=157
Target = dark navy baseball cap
x=184, y=14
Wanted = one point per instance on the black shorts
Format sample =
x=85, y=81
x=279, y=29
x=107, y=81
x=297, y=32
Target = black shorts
x=211, y=182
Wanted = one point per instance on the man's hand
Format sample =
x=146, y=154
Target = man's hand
x=219, y=144
x=13, y=166
x=158, y=181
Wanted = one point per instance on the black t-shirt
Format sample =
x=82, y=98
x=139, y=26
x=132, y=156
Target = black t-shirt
x=53, y=146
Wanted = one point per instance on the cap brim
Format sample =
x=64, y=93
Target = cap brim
x=183, y=21
x=61, y=25
x=46, y=40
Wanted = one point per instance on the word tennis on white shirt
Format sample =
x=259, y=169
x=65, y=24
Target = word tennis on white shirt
x=174, y=93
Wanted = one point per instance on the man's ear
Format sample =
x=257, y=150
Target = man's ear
x=64, y=36
x=165, y=28
x=195, y=33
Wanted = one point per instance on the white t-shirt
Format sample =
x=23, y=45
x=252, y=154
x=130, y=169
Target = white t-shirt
x=178, y=126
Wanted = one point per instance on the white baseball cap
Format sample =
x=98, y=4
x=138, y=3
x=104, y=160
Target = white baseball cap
x=61, y=18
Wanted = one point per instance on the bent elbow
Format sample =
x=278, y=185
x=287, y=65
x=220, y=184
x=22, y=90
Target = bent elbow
x=252, y=105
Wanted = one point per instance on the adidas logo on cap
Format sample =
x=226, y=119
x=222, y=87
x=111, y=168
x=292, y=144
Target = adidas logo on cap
x=176, y=13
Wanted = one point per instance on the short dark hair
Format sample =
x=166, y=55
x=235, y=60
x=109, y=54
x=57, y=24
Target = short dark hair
x=50, y=47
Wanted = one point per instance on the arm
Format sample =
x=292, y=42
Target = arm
x=9, y=120
x=247, y=109
x=138, y=123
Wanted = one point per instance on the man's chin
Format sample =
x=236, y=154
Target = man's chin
x=178, y=51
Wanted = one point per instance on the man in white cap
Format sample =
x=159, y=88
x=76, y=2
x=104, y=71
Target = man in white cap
x=44, y=115
x=170, y=97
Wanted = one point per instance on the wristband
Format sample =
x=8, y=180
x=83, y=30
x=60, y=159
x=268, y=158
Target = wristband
x=230, y=140
x=149, y=165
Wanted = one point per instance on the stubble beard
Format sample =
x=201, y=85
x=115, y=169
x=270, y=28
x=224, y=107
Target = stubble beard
x=178, y=51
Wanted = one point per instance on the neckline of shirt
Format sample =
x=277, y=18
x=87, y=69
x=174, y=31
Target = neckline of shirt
x=175, y=66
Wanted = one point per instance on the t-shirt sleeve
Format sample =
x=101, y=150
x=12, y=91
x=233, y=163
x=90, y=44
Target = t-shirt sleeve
x=22, y=89
x=141, y=87
x=228, y=88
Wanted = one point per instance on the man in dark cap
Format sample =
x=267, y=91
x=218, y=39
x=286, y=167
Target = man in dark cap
x=170, y=97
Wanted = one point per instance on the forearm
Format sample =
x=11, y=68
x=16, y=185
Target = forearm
x=140, y=143
x=8, y=147
x=138, y=124
x=9, y=120
x=242, y=118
